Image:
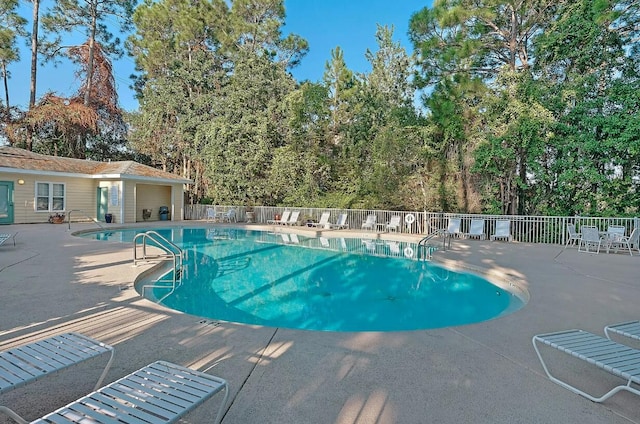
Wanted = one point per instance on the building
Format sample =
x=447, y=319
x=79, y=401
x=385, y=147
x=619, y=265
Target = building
x=33, y=187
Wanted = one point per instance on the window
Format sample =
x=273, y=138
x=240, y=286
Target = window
x=50, y=197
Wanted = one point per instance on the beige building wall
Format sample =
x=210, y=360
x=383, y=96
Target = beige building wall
x=126, y=199
x=129, y=201
x=80, y=194
x=149, y=196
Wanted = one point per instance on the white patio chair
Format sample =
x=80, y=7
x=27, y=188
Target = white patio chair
x=324, y=221
x=573, y=237
x=369, y=223
x=283, y=219
x=453, y=229
x=623, y=242
x=394, y=224
x=341, y=223
x=230, y=216
x=590, y=238
x=476, y=229
x=502, y=231
x=607, y=355
x=293, y=219
x=211, y=214
x=614, y=233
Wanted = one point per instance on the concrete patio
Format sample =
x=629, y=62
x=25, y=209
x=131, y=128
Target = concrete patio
x=53, y=282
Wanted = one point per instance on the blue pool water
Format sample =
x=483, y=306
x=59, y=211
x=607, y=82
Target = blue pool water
x=298, y=282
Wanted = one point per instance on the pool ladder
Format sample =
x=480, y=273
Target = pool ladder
x=170, y=252
x=423, y=243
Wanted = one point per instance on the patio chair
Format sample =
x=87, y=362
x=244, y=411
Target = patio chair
x=341, y=223
x=615, y=358
x=230, y=216
x=502, y=231
x=590, y=238
x=369, y=223
x=211, y=214
x=33, y=361
x=573, y=237
x=630, y=329
x=453, y=228
x=283, y=219
x=623, y=242
x=324, y=221
x=293, y=219
x=476, y=229
x=161, y=392
x=6, y=237
x=613, y=233
x=393, y=224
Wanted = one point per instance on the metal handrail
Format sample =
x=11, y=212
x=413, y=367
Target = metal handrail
x=85, y=215
x=172, y=251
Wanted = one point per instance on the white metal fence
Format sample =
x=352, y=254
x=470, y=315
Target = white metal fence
x=529, y=229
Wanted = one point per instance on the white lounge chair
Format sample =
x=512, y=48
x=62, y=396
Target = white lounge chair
x=28, y=363
x=293, y=219
x=393, y=224
x=615, y=358
x=324, y=221
x=629, y=329
x=369, y=223
x=590, y=238
x=453, y=228
x=161, y=392
x=503, y=230
x=573, y=237
x=283, y=219
x=476, y=229
x=341, y=223
x=6, y=237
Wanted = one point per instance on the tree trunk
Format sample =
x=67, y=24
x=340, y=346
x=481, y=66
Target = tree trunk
x=34, y=54
x=6, y=89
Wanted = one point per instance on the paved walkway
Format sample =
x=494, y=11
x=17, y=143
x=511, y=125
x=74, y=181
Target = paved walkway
x=53, y=282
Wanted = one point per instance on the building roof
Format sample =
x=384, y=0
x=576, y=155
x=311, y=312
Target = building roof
x=17, y=160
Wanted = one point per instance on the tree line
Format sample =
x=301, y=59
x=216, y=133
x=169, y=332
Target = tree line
x=503, y=106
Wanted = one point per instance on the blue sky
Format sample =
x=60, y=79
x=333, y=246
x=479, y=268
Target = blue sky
x=325, y=24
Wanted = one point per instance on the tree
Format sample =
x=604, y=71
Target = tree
x=92, y=16
x=12, y=27
x=248, y=126
x=588, y=58
x=256, y=27
x=341, y=84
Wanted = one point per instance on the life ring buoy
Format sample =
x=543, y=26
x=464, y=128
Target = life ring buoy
x=408, y=252
x=410, y=219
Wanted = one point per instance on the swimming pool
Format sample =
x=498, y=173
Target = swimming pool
x=329, y=284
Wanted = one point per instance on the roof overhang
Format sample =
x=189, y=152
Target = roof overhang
x=97, y=176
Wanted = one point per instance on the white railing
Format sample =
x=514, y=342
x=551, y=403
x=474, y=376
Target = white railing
x=524, y=228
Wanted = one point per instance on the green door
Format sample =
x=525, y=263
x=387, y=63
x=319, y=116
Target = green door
x=103, y=203
x=6, y=202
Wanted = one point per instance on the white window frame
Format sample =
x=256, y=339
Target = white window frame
x=50, y=196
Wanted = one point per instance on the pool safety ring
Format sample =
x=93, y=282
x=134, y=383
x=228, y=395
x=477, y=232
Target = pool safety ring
x=408, y=252
x=410, y=219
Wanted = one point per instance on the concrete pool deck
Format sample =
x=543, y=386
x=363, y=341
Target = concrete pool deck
x=53, y=282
